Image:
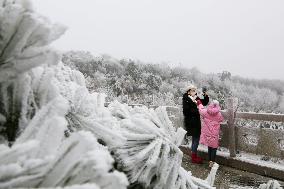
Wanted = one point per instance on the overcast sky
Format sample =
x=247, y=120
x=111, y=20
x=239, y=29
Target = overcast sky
x=245, y=37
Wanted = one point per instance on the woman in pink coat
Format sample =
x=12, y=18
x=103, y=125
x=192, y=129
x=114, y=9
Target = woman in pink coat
x=211, y=118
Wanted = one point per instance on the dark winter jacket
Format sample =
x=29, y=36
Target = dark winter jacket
x=192, y=122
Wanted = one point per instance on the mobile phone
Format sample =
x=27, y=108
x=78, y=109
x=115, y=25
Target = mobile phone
x=204, y=89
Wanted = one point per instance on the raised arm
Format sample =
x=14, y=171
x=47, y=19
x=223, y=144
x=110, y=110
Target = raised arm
x=202, y=110
x=220, y=118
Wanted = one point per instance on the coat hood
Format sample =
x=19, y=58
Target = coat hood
x=213, y=109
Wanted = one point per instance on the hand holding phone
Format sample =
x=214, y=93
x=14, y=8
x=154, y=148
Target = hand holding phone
x=204, y=91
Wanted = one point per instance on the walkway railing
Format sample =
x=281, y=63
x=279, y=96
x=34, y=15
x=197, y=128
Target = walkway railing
x=251, y=139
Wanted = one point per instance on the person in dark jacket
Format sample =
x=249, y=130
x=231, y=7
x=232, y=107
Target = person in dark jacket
x=192, y=121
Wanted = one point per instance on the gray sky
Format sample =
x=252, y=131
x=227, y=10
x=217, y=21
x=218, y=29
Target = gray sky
x=245, y=37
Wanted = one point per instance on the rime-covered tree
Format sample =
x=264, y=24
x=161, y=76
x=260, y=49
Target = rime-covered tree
x=64, y=135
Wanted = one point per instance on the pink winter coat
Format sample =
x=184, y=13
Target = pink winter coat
x=211, y=118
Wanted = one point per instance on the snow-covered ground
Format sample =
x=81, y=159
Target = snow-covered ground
x=275, y=163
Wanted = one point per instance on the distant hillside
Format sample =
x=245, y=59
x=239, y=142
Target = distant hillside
x=136, y=82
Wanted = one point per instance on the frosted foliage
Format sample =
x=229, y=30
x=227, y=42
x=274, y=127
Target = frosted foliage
x=32, y=99
x=55, y=109
x=43, y=157
x=272, y=184
x=42, y=100
x=25, y=95
x=43, y=90
x=87, y=111
x=81, y=159
x=124, y=130
x=151, y=155
x=83, y=186
x=24, y=39
x=211, y=177
x=252, y=98
x=281, y=104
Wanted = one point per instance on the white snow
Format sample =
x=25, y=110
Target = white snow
x=272, y=184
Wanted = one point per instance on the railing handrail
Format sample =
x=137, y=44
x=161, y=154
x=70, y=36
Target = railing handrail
x=261, y=116
x=256, y=116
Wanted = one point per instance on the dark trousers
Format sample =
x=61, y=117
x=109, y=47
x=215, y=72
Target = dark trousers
x=194, y=144
x=212, y=153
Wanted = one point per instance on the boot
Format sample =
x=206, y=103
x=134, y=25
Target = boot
x=199, y=158
x=195, y=158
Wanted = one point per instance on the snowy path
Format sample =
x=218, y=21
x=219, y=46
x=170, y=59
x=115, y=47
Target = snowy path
x=227, y=177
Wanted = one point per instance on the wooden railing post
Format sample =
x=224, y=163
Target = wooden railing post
x=231, y=125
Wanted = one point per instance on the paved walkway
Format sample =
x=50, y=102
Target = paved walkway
x=227, y=178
